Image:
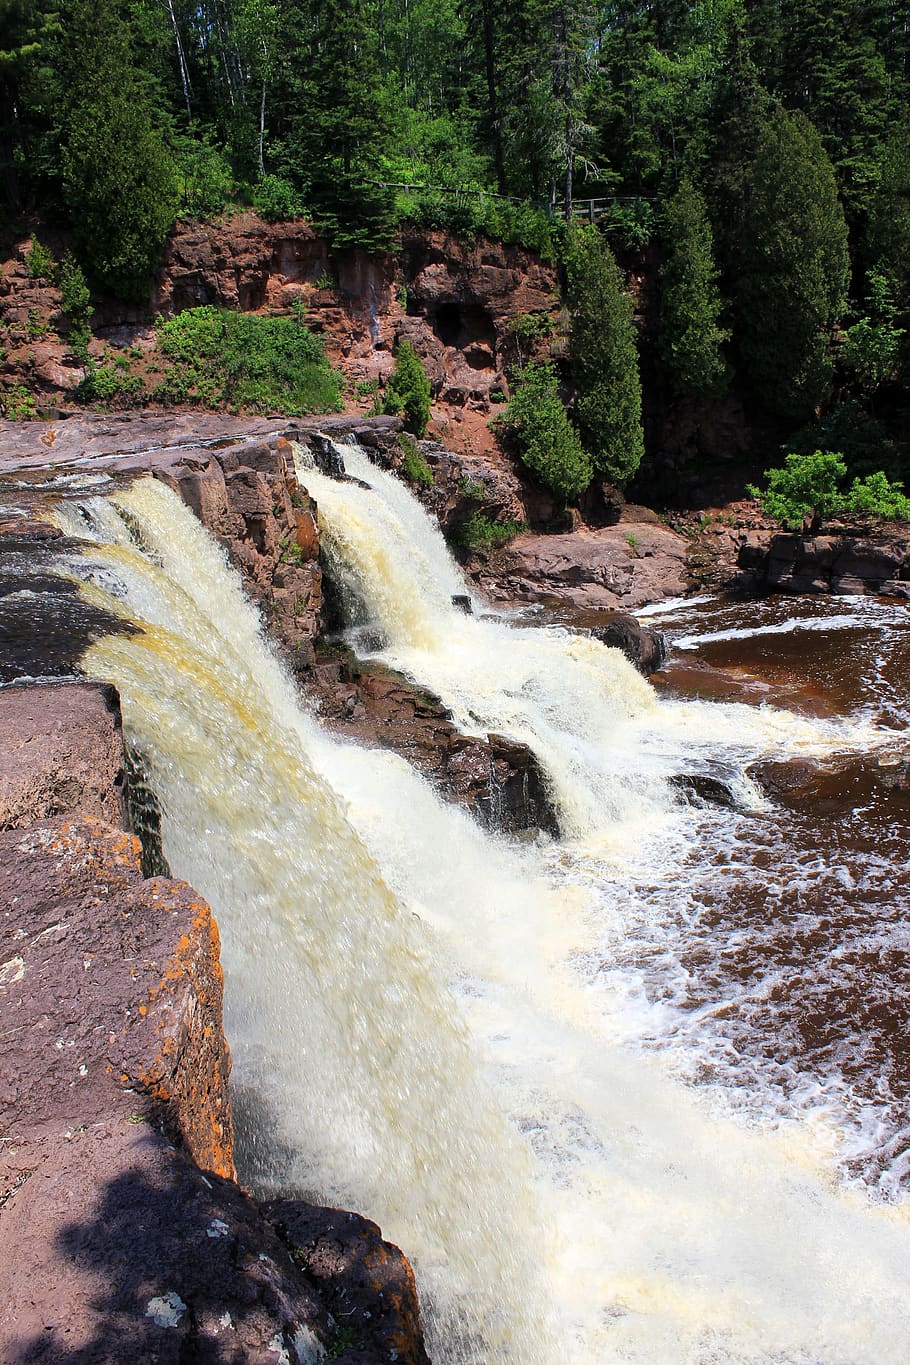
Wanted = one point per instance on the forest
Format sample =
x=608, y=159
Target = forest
x=757, y=154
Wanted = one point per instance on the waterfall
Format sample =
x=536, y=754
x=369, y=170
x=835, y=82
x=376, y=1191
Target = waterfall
x=416, y=1028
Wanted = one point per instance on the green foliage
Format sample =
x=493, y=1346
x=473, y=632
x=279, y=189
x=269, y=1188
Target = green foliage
x=877, y=496
x=119, y=180
x=278, y=200
x=17, y=403
x=480, y=534
x=40, y=261
x=872, y=345
x=604, y=357
x=805, y=490
x=76, y=308
x=217, y=358
x=691, y=337
x=204, y=176
x=548, y=442
x=408, y=389
x=37, y=326
x=475, y=489
x=414, y=467
x=792, y=266
x=111, y=385
x=472, y=213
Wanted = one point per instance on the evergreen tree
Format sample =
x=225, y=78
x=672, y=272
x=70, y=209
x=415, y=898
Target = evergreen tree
x=604, y=357
x=792, y=266
x=690, y=304
x=119, y=181
x=889, y=219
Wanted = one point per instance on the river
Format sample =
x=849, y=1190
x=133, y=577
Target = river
x=636, y=1094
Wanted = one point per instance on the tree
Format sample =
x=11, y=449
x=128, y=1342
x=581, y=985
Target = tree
x=791, y=266
x=690, y=304
x=604, y=357
x=119, y=180
x=548, y=442
x=804, y=491
x=408, y=389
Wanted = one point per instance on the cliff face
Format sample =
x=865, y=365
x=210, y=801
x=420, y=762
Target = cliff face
x=122, y=1233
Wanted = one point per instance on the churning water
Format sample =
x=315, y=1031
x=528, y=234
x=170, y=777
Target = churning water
x=568, y=1079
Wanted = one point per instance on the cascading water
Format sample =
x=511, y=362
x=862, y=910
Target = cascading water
x=416, y=1024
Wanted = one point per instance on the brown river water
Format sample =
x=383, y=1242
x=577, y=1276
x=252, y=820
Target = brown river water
x=776, y=969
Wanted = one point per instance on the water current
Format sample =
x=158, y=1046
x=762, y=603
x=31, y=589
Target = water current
x=638, y=1094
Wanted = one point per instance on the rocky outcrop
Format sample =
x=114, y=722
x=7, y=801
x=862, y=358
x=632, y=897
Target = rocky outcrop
x=497, y=779
x=61, y=752
x=836, y=563
x=122, y=1232
x=619, y=567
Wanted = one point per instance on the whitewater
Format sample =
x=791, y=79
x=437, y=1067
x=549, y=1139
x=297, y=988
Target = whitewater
x=433, y=1026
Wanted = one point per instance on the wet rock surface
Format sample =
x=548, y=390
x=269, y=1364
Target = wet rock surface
x=645, y=648
x=497, y=779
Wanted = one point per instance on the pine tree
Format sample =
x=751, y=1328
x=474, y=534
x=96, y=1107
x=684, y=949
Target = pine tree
x=690, y=304
x=792, y=266
x=119, y=181
x=604, y=357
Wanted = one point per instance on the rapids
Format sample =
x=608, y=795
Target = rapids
x=491, y=1050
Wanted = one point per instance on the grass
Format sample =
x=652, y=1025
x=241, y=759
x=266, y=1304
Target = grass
x=480, y=534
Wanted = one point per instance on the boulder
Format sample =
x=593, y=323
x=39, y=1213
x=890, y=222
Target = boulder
x=646, y=649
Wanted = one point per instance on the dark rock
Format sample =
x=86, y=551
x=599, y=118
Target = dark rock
x=463, y=602
x=28, y=528
x=646, y=649
x=326, y=456
x=367, y=1284
x=702, y=789
x=498, y=779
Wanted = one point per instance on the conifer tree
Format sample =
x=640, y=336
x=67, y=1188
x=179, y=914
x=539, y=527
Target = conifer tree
x=604, y=357
x=792, y=266
x=690, y=305
x=119, y=181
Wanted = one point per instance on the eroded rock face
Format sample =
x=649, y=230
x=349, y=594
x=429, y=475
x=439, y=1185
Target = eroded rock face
x=61, y=753
x=497, y=779
x=122, y=1235
x=842, y=564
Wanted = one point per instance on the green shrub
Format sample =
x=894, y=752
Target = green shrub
x=216, y=358
x=17, y=403
x=111, y=384
x=75, y=307
x=40, y=261
x=414, y=467
x=204, y=176
x=805, y=490
x=469, y=213
x=480, y=533
x=277, y=199
x=549, y=444
x=878, y=497
x=37, y=326
x=408, y=390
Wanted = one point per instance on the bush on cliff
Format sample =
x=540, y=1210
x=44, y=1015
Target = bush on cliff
x=408, y=390
x=549, y=444
x=807, y=489
x=240, y=360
